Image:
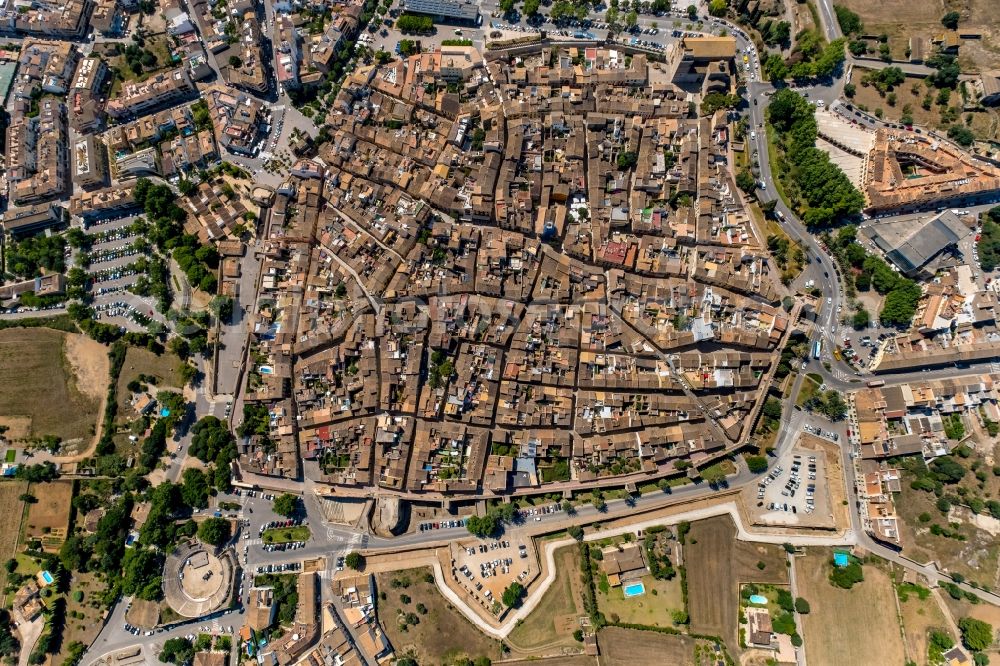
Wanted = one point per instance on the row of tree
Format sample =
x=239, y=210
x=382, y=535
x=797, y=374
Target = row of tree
x=825, y=195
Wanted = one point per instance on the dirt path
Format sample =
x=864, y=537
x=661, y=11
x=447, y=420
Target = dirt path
x=946, y=612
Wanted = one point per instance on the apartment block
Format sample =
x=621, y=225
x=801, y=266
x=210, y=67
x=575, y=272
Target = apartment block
x=139, y=98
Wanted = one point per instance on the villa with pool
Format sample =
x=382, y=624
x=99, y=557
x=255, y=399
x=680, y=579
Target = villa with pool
x=624, y=564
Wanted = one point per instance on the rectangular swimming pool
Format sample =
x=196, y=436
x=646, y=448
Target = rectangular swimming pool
x=634, y=590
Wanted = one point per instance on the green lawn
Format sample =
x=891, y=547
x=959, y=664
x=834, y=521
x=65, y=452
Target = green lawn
x=286, y=534
x=809, y=389
x=654, y=608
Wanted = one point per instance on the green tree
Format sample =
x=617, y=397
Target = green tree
x=177, y=651
x=976, y=634
x=772, y=409
x=186, y=186
x=745, y=180
x=482, y=526
x=850, y=23
x=210, y=435
x=215, y=531
x=756, y=464
x=950, y=20
x=712, y=475
x=627, y=160
x=141, y=573
x=355, y=560
x=714, y=101
x=947, y=470
x=961, y=135
x=286, y=505
x=847, y=576
x=512, y=595
x=195, y=489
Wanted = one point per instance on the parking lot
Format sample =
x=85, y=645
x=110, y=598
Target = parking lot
x=113, y=254
x=795, y=491
x=486, y=569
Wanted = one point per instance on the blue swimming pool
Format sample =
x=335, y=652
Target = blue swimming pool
x=47, y=577
x=634, y=590
x=841, y=559
x=266, y=370
x=758, y=599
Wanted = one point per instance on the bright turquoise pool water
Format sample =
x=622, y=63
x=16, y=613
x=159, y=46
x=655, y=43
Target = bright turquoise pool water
x=758, y=599
x=634, y=590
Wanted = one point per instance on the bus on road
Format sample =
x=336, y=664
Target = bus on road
x=817, y=348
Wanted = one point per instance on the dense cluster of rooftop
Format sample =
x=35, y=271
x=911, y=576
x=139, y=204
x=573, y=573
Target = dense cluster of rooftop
x=418, y=327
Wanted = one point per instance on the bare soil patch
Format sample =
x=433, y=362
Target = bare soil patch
x=549, y=628
x=90, y=363
x=909, y=99
x=39, y=383
x=144, y=613
x=18, y=427
x=856, y=626
x=441, y=635
x=627, y=647
x=919, y=617
x=48, y=518
x=83, y=618
x=977, y=557
x=716, y=564
x=901, y=19
x=10, y=521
